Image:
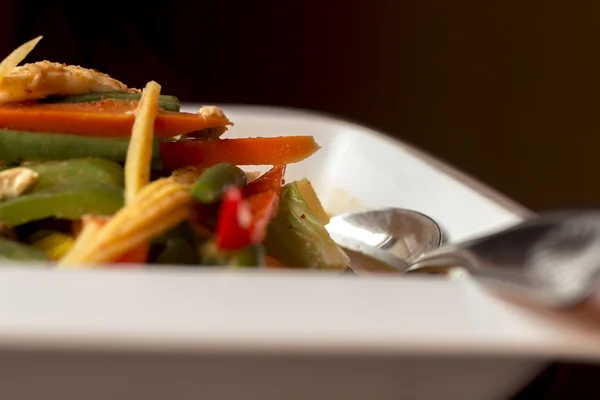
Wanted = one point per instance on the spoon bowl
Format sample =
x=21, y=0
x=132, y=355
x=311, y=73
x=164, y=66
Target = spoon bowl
x=394, y=236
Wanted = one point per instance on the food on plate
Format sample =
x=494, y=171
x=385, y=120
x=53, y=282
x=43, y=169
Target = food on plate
x=297, y=237
x=94, y=173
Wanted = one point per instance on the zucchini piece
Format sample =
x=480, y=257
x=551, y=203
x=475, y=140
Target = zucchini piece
x=310, y=197
x=298, y=239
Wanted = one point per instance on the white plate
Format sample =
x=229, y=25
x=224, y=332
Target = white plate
x=451, y=332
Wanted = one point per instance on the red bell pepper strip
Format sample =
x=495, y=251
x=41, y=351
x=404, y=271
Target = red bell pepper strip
x=242, y=222
x=270, y=180
x=234, y=222
x=262, y=207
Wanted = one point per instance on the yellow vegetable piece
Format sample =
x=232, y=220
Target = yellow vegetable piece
x=55, y=245
x=84, y=240
x=139, y=153
x=159, y=206
x=310, y=197
x=18, y=55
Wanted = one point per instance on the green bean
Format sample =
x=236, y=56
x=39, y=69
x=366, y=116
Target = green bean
x=18, y=146
x=211, y=185
x=177, y=251
x=182, y=230
x=250, y=256
x=168, y=103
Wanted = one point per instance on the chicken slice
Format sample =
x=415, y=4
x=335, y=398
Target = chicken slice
x=16, y=181
x=44, y=78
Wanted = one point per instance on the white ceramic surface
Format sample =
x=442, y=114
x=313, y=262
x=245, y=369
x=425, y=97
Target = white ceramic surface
x=413, y=325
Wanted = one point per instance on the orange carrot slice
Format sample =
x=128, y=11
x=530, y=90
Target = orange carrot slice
x=247, y=151
x=106, y=118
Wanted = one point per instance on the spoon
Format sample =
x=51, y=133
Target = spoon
x=394, y=236
x=553, y=258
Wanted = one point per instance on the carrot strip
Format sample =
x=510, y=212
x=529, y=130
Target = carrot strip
x=247, y=151
x=270, y=180
x=106, y=118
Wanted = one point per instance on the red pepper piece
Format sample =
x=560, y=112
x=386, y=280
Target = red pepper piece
x=234, y=222
x=262, y=206
x=244, y=221
x=270, y=180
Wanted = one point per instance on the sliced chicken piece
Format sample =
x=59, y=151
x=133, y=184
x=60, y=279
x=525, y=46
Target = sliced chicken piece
x=44, y=78
x=16, y=181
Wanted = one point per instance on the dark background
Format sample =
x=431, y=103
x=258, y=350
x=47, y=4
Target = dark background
x=506, y=90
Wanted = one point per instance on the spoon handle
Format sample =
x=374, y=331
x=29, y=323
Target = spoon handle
x=439, y=263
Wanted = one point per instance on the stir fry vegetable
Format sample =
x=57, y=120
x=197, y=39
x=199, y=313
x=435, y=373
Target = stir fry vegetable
x=269, y=181
x=139, y=152
x=297, y=238
x=96, y=174
x=20, y=146
x=11, y=250
x=106, y=118
x=250, y=151
x=15, y=58
x=67, y=190
x=167, y=103
x=54, y=244
x=214, y=181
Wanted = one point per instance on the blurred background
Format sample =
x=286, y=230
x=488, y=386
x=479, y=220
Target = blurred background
x=505, y=90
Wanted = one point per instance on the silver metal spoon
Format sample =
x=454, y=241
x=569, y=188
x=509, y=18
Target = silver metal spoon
x=394, y=236
x=553, y=258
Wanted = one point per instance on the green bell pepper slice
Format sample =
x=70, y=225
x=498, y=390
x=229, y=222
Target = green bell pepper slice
x=67, y=190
